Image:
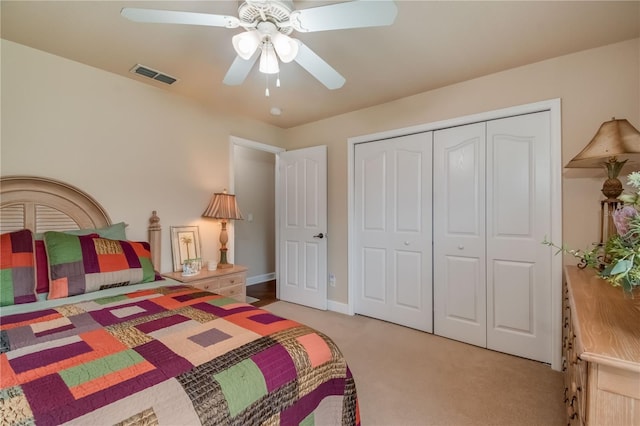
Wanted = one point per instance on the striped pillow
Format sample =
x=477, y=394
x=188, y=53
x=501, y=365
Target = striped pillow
x=85, y=263
x=17, y=268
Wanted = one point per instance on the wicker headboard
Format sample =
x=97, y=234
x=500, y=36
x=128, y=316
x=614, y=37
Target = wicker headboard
x=43, y=204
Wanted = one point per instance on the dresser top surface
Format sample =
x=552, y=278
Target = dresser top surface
x=606, y=322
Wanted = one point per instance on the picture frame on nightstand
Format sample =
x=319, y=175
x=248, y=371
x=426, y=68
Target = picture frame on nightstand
x=185, y=245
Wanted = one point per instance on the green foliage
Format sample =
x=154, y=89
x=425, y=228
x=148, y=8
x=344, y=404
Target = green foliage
x=623, y=252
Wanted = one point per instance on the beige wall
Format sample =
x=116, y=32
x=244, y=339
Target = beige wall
x=137, y=148
x=134, y=147
x=593, y=85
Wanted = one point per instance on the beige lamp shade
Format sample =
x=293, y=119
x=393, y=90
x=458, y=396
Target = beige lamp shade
x=615, y=138
x=223, y=206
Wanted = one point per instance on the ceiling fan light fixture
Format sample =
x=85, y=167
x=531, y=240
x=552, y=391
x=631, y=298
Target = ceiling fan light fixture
x=246, y=43
x=268, y=59
x=285, y=46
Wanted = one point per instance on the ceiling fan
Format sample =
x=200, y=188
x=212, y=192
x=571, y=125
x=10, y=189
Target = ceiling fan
x=268, y=24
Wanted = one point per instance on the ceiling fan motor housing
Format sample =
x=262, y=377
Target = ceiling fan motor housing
x=275, y=11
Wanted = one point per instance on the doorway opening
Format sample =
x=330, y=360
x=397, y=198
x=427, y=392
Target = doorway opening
x=252, y=180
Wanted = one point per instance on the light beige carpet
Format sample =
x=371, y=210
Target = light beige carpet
x=407, y=377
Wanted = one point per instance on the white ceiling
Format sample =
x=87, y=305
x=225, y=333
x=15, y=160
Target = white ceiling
x=430, y=45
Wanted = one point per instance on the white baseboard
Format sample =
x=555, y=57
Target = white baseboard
x=341, y=308
x=257, y=279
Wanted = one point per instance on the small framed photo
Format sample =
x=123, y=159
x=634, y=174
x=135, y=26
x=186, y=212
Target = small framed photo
x=185, y=246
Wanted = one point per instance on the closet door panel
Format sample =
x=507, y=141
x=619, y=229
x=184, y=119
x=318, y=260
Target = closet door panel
x=459, y=233
x=462, y=279
x=463, y=193
x=408, y=191
x=511, y=182
x=518, y=219
x=408, y=280
x=374, y=191
x=512, y=312
x=393, y=230
x=374, y=261
x=373, y=221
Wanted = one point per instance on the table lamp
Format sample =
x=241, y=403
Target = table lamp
x=615, y=143
x=223, y=206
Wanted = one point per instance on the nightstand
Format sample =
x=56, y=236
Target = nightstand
x=229, y=282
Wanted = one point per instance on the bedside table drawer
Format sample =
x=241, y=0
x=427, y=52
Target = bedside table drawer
x=236, y=292
x=208, y=285
x=230, y=280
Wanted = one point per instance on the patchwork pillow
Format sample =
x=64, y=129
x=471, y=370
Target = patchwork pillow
x=117, y=231
x=17, y=268
x=85, y=263
x=42, y=266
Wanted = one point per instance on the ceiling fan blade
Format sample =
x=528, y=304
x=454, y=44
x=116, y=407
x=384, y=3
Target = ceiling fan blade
x=318, y=68
x=240, y=69
x=353, y=14
x=176, y=17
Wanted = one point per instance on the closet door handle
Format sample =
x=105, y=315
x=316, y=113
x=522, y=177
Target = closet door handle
x=320, y=235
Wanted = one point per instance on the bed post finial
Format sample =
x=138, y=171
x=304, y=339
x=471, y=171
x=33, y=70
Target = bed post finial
x=155, y=240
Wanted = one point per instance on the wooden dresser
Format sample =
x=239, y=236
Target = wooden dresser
x=230, y=282
x=601, y=351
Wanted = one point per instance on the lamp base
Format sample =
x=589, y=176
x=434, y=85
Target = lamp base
x=612, y=188
x=223, y=259
x=225, y=265
x=607, y=226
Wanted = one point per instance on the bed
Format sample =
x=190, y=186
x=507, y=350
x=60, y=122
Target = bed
x=107, y=351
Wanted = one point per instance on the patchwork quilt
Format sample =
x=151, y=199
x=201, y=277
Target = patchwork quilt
x=171, y=355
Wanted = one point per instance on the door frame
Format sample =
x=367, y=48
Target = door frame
x=233, y=141
x=554, y=108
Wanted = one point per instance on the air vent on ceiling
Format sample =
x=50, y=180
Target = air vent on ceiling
x=151, y=73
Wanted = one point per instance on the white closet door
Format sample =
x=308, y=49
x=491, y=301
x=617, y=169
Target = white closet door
x=518, y=218
x=393, y=230
x=459, y=233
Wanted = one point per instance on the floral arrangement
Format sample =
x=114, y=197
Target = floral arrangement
x=618, y=262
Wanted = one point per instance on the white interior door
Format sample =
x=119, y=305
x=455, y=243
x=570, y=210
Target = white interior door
x=393, y=230
x=459, y=233
x=302, y=212
x=518, y=219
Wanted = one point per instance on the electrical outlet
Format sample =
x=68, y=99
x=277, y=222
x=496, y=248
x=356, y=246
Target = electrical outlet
x=332, y=279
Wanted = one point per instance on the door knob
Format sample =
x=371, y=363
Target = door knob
x=320, y=235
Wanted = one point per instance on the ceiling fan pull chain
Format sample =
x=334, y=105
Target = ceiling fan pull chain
x=278, y=80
